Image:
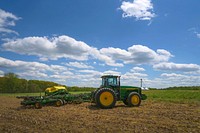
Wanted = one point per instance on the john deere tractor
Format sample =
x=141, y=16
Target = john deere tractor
x=111, y=91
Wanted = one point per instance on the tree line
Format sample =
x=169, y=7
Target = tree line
x=11, y=83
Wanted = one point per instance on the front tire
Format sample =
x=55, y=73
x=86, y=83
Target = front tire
x=134, y=99
x=105, y=98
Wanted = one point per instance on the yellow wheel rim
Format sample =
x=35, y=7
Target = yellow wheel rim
x=106, y=98
x=135, y=99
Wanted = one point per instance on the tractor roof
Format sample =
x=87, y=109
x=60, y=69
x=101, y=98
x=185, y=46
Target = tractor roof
x=109, y=76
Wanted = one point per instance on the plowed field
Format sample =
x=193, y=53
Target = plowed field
x=151, y=116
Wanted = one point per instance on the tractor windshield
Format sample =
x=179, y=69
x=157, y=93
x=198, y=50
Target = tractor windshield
x=107, y=81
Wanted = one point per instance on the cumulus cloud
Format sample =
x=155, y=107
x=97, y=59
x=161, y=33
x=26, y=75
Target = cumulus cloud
x=88, y=77
x=57, y=73
x=32, y=69
x=57, y=47
x=115, y=53
x=134, y=75
x=137, y=69
x=142, y=55
x=133, y=78
x=67, y=47
x=140, y=9
x=78, y=65
x=165, y=80
x=23, y=65
x=110, y=72
x=53, y=48
x=171, y=75
x=137, y=54
x=170, y=66
x=97, y=54
x=174, y=79
x=6, y=20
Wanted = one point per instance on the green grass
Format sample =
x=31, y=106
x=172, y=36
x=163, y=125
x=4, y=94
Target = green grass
x=181, y=96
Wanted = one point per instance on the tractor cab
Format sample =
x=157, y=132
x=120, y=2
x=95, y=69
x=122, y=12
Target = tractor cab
x=110, y=81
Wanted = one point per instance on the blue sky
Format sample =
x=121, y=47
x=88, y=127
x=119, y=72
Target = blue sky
x=76, y=42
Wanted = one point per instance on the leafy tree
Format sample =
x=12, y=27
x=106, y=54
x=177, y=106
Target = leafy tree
x=11, y=75
x=11, y=81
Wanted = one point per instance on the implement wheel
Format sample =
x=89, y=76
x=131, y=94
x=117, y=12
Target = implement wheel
x=105, y=98
x=134, y=99
x=38, y=105
x=59, y=103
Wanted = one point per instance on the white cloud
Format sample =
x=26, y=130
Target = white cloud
x=133, y=78
x=57, y=47
x=23, y=65
x=137, y=69
x=142, y=55
x=115, y=53
x=78, y=65
x=53, y=48
x=140, y=9
x=169, y=66
x=135, y=74
x=88, y=77
x=110, y=72
x=6, y=20
x=97, y=54
x=67, y=47
x=136, y=54
x=174, y=79
x=32, y=69
x=171, y=75
x=58, y=68
x=33, y=74
x=56, y=73
x=90, y=71
x=165, y=80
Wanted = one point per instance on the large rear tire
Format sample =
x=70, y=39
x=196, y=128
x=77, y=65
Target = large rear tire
x=134, y=99
x=105, y=98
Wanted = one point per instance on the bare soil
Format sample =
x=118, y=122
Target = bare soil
x=151, y=116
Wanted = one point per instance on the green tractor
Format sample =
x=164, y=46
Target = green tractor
x=111, y=91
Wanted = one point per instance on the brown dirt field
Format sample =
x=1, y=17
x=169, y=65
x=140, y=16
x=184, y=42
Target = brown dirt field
x=151, y=116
